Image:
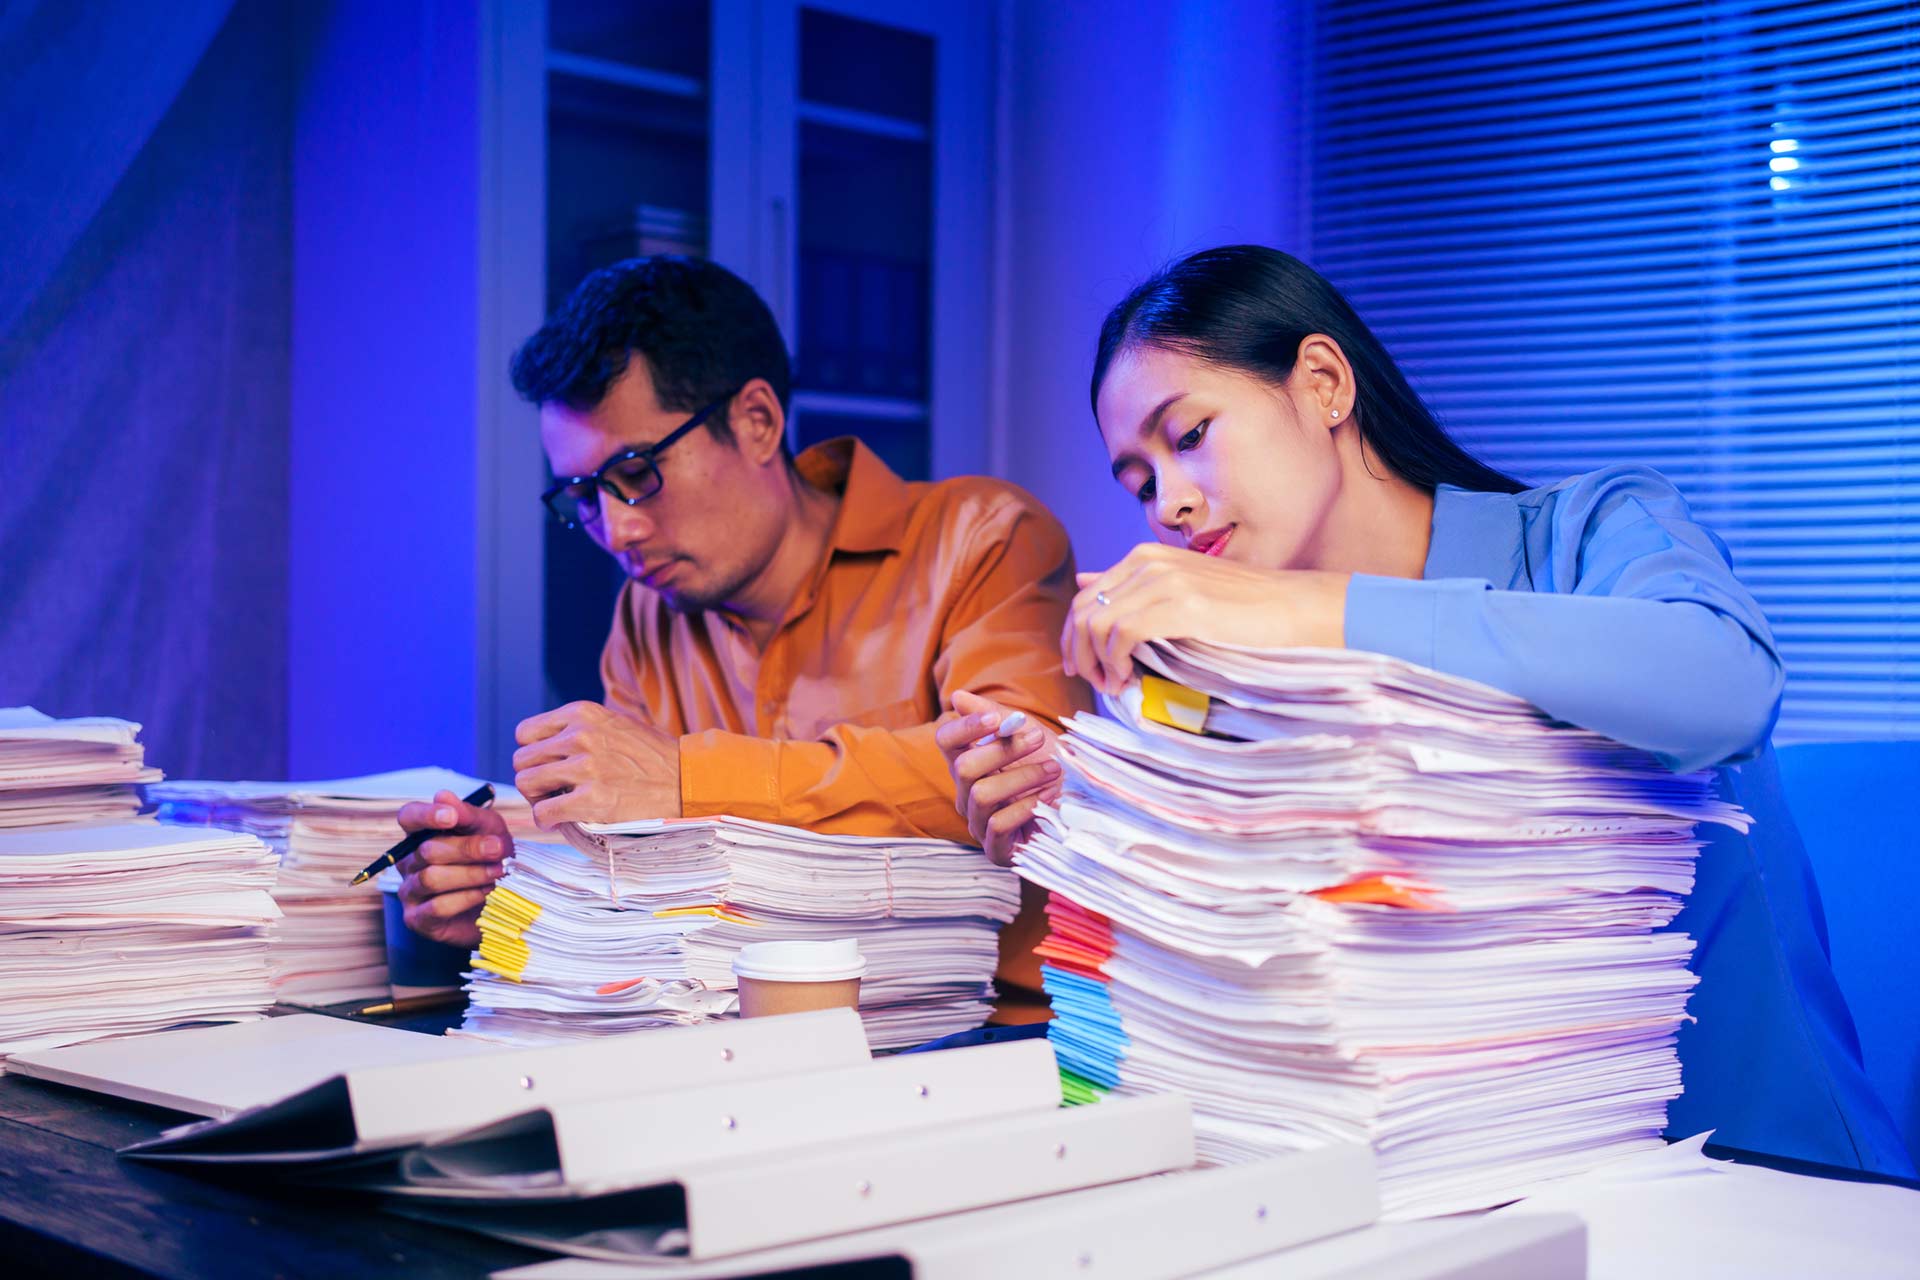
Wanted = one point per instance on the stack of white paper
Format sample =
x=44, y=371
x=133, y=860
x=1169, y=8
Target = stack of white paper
x=331, y=946
x=637, y=924
x=54, y=772
x=129, y=927
x=1406, y=909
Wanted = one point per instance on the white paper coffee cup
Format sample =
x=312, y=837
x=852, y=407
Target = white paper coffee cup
x=795, y=977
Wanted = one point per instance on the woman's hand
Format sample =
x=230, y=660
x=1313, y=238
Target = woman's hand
x=1169, y=593
x=997, y=786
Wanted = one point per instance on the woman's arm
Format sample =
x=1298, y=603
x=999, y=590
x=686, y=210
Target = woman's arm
x=1649, y=638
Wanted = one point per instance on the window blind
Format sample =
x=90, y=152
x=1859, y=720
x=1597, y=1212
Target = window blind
x=1682, y=234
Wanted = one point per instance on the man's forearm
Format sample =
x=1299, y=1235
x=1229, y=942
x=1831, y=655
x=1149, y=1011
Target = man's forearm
x=852, y=781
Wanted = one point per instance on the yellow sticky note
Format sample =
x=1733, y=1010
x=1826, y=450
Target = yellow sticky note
x=1174, y=705
x=509, y=909
x=716, y=911
x=507, y=952
x=511, y=975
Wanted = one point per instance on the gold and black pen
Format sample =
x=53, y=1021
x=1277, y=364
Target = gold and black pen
x=483, y=795
x=407, y=1006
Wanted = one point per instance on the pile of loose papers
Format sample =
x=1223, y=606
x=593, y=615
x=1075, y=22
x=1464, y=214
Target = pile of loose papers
x=126, y=927
x=1355, y=899
x=331, y=946
x=63, y=771
x=636, y=925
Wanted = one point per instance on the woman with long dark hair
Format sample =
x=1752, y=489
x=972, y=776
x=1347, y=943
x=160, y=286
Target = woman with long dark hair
x=1300, y=493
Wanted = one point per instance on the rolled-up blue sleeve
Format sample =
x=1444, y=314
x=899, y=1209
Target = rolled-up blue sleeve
x=1645, y=635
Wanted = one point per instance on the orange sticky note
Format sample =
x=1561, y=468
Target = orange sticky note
x=1382, y=891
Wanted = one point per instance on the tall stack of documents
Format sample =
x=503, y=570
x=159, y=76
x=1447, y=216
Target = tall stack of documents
x=636, y=925
x=331, y=946
x=63, y=771
x=115, y=928
x=1353, y=899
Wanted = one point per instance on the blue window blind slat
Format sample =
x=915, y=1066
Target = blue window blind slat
x=1570, y=100
x=1419, y=16
x=1660, y=38
x=1488, y=230
x=1686, y=234
x=1573, y=369
x=1863, y=230
x=1664, y=71
x=1550, y=321
x=1841, y=274
x=1529, y=428
x=1651, y=147
x=1601, y=352
x=1669, y=198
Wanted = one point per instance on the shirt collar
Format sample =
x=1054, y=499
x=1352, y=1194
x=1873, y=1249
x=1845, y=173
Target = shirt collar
x=1476, y=535
x=874, y=502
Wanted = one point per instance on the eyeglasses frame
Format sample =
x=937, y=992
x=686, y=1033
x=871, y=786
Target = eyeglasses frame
x=649, y=454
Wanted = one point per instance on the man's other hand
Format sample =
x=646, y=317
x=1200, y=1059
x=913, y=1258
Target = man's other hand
x=584, y=763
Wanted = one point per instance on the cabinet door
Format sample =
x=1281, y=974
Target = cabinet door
x=836, y=154
x=629, y=172
x=866, y=216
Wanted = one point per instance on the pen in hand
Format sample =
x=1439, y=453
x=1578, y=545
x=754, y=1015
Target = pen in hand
x=1008, y=727
x=482, y=795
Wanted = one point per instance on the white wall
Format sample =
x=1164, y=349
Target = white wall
x=1132, y=131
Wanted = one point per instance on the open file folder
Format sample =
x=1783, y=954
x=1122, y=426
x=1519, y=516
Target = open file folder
x=1176, y=1225
x=383, y=1109
x=570, y=1149
x=713, y=1210
x=223, y=1070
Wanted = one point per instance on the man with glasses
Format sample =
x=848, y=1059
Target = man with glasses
x=791, y=628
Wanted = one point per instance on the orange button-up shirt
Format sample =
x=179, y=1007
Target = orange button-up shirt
x=924, y=589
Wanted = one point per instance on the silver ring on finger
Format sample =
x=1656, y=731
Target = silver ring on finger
x=1100, y=598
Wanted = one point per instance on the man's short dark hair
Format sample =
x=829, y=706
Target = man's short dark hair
x=703, y=331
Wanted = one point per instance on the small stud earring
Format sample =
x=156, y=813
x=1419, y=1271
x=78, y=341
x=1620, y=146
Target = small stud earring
x=1336, y=413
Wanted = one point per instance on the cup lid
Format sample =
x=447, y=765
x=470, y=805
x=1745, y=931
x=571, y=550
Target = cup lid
x=833, y=961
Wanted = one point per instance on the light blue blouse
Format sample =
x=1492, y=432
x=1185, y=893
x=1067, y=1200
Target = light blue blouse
x=1601, y=601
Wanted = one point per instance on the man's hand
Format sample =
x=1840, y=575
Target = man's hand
x=584, y=763
x=446, y=880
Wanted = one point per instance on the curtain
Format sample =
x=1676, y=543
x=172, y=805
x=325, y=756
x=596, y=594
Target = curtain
x=144, y=365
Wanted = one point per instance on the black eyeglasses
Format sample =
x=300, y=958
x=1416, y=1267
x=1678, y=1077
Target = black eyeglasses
x=632, y=475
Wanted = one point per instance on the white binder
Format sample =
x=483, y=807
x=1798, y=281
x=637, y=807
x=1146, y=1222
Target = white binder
x=222, y=1070
x=385, y=1108
x=1525, y=1246
x=1178, y=1224
x=568, y=1150
x=827, y=1190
